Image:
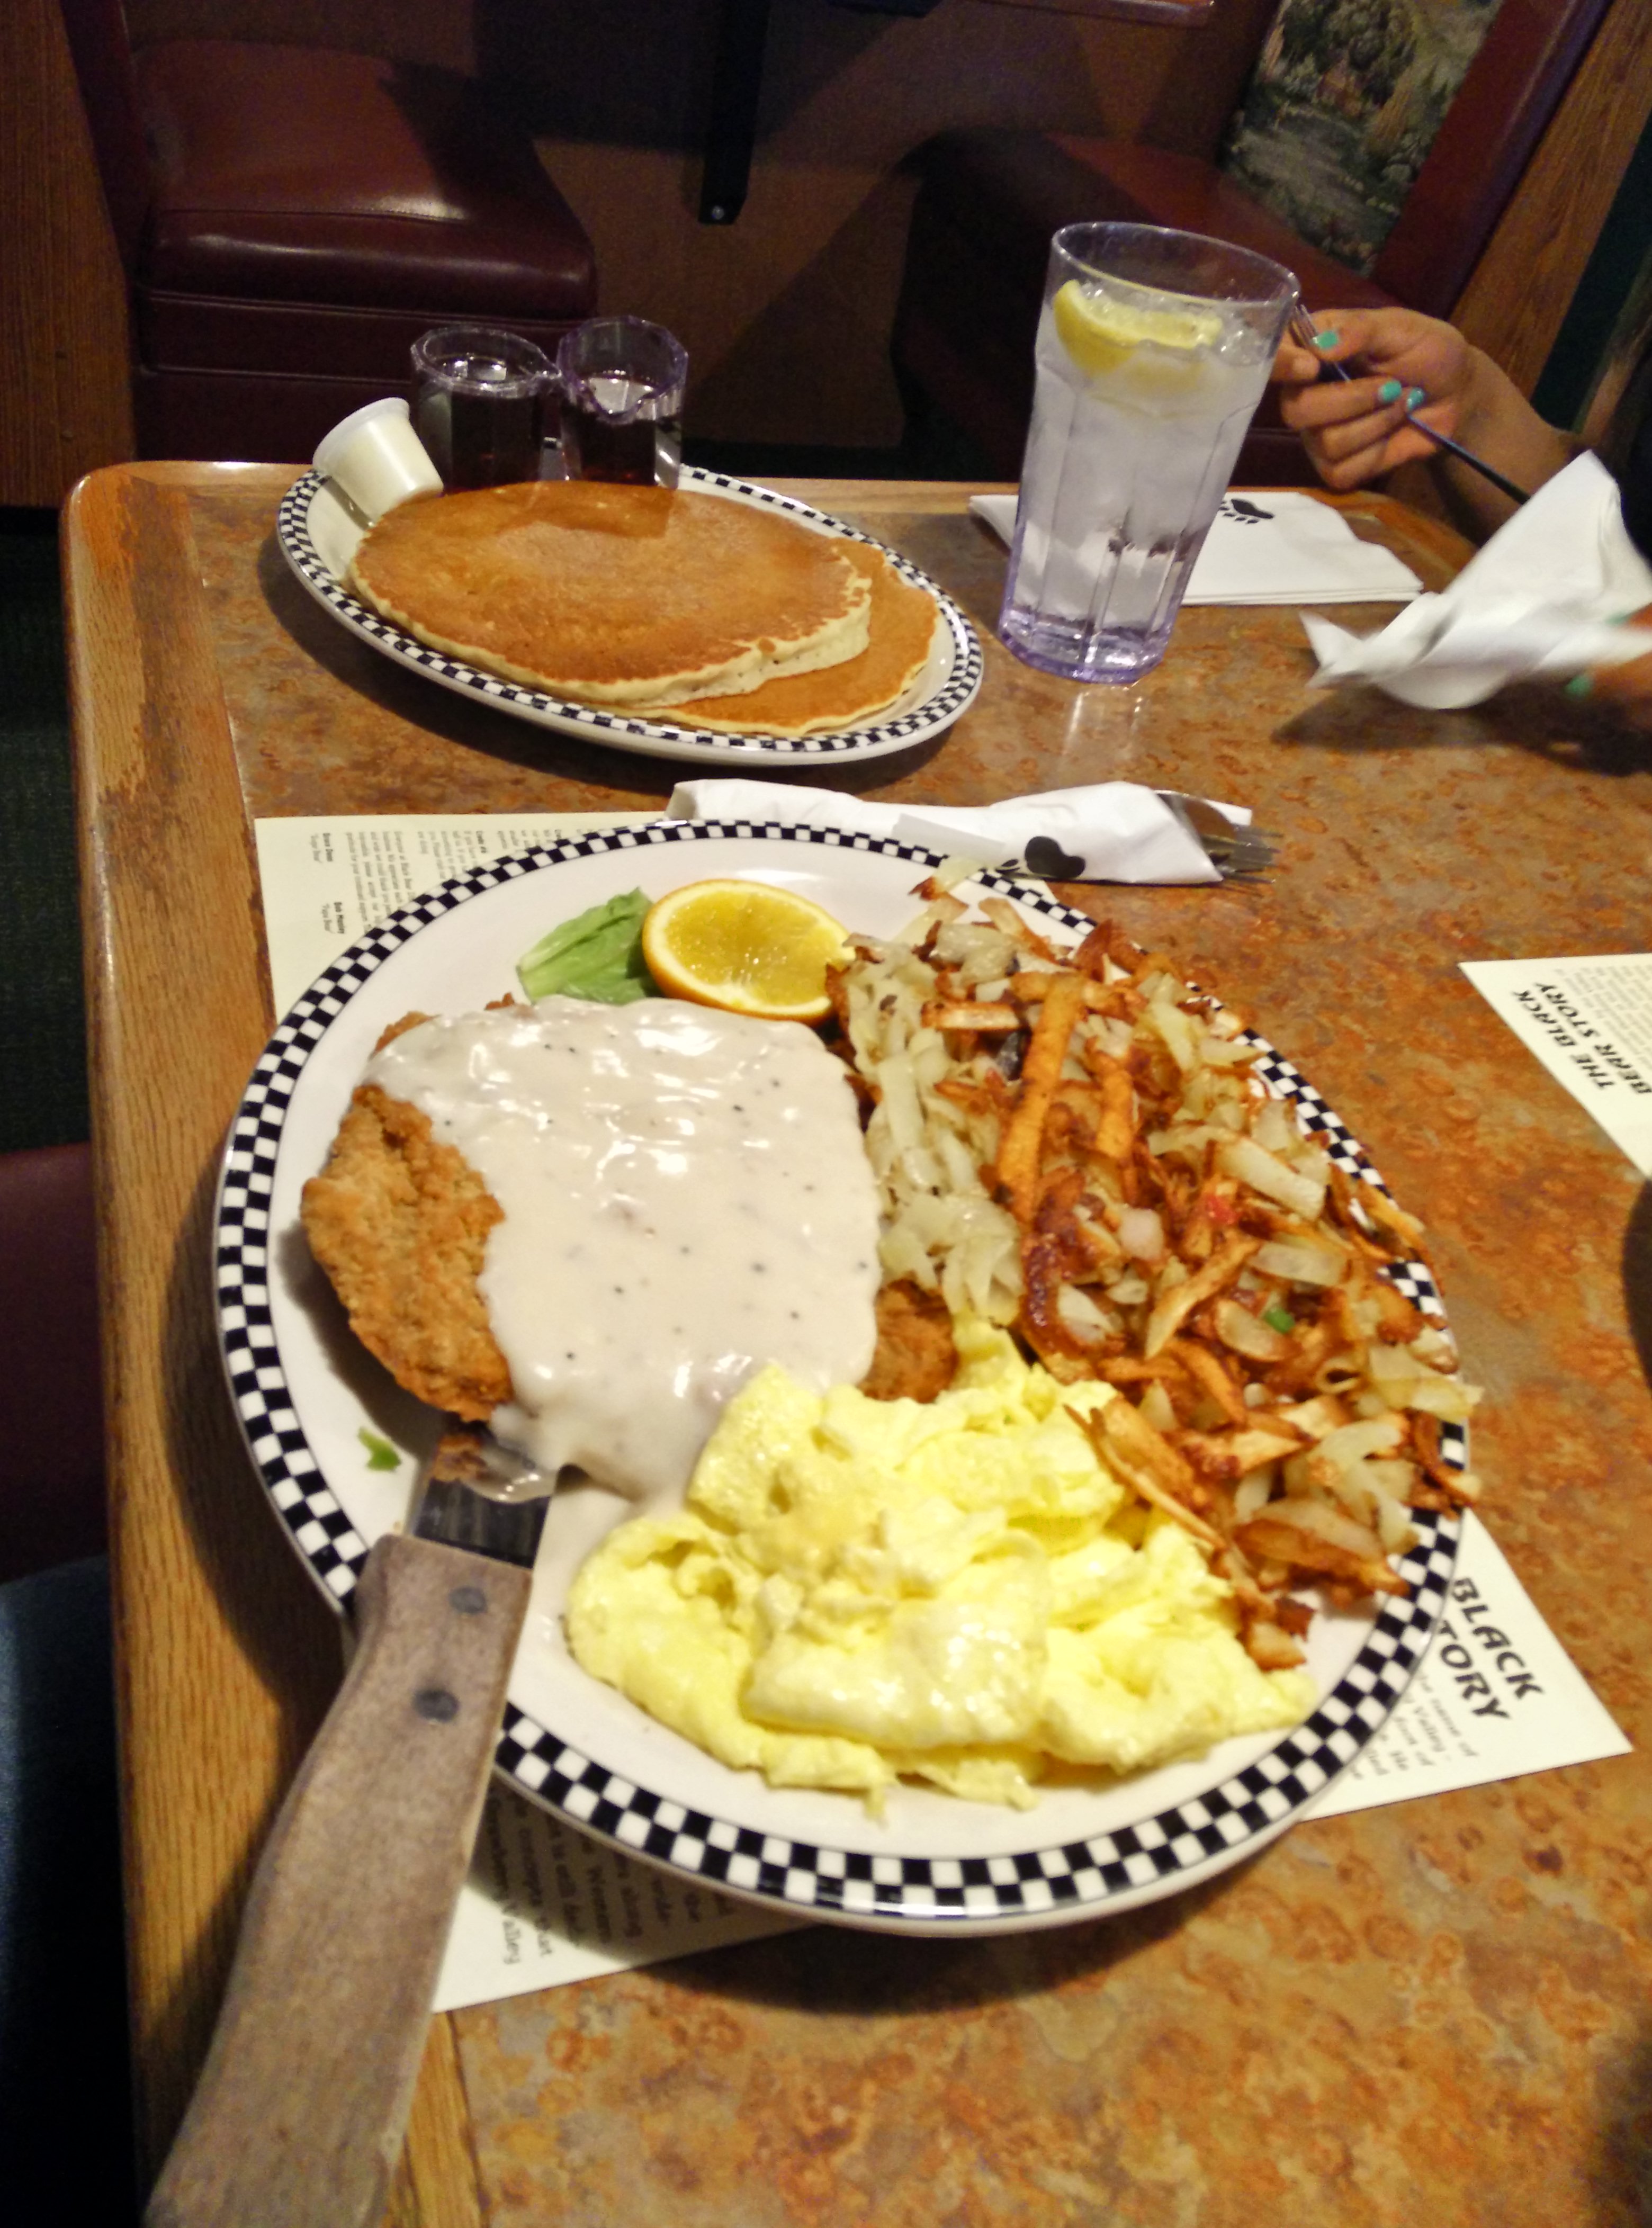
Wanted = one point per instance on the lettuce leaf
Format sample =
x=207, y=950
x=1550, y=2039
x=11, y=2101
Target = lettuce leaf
x=598, y=955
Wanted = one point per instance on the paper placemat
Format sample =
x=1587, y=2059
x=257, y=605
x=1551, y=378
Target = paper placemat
x=1271, y=546
x=1497, y=1696
x=545, y=1905
x=325, y=881
x=1590, y=1021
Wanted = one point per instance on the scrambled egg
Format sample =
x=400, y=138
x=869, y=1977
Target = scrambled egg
x=860, y=1590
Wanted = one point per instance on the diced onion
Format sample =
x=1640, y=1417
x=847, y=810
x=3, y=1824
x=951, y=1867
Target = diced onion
x=954, y=870
x=1082, y=1319
x=1274, y=1126
x=1248, y=1334
x=1301, y=1261
x=1141, y=1232
x=1383, y=1435
x=1447, y=1398
x=1156, y=1407
x=1184, y=1137
x=1321, y=1521
x=1177, y=1030
x=1251, y=1494
x=1222, y=1051
x=1250, y=1163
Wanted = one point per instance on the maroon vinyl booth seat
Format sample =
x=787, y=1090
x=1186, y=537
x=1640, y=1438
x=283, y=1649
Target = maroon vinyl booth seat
x=989, y=201
x=290, y=220
x=51, y=1403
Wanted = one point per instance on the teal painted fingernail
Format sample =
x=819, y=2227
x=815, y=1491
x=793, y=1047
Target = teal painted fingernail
x=1327, y=339
x=1389, y=391
x=1416, y=396
x=1580, y=684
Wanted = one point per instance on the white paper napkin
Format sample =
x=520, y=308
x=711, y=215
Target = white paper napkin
x=1112, y=831
x=1540, y=598
x=1271, y=546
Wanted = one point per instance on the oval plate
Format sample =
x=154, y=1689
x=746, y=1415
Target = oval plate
x=306, y=1393
x=318, y=538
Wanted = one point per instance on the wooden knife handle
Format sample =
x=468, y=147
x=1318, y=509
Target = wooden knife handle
x=299, y=2118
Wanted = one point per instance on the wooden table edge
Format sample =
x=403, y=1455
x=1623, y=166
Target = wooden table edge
x=166, y=862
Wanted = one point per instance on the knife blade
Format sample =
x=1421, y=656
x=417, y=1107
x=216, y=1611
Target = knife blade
x=299, y=2114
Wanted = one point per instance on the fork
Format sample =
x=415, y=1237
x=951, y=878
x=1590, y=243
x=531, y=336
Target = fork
x=1238, y=853
x=1303, y=329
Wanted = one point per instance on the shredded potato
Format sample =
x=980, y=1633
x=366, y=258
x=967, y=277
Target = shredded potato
x=1074, y=1144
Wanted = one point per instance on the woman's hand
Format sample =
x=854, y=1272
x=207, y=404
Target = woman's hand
x=1628, y=687
x=1354, y=431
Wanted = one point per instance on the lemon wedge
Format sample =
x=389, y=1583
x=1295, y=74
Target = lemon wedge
x=1100, y=332
x=745, y=947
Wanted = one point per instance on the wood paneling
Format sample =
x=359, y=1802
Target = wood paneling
x=1514, y=305
x=65, y=401
x=786, y=314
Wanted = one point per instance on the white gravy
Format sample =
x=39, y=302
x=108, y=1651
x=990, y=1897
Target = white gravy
x=686, y=1198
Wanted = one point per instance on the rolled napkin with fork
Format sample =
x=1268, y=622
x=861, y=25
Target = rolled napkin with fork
x=1544, y=599
x=1111, y=831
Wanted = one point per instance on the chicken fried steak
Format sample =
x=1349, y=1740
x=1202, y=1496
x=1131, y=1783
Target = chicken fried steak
x=400, y=1222
x=915, y=1357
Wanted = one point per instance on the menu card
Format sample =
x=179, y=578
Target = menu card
x=325, y=881
x=545, y=1904
x=1590, y=1021
x=1495, y=1697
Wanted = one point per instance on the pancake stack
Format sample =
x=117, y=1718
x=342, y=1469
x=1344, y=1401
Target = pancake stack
x=675, y=605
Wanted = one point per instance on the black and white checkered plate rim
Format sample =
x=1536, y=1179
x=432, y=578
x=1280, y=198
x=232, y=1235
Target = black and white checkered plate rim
x=1070, y=1880
x=937, y=711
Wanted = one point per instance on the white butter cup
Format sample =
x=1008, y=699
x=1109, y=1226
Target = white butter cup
x=376, y=457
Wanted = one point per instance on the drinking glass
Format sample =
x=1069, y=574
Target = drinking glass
x=622, y=382
x=1153, y=350
x=480, y=405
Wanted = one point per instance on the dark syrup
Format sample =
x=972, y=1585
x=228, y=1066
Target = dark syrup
x=482, y=440
x=599, y=448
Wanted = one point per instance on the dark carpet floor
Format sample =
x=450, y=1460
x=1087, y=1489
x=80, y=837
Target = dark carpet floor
x=64, y=2091
x=42, y=1029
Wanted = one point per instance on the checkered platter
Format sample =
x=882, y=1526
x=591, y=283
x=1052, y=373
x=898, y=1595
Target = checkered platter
x=318, y=538
x=305, y=1391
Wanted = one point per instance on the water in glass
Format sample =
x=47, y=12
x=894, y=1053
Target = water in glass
x=1143, y=395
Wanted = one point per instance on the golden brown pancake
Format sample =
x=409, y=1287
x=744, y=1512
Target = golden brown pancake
x=629, y=596
x=843, y=695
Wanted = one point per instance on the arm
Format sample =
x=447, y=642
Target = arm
x=1356, y=431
